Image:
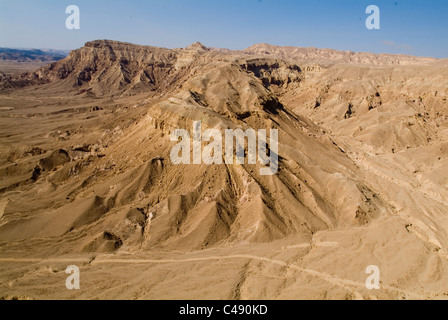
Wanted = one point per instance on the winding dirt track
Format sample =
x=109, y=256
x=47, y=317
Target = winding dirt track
x=343, y=283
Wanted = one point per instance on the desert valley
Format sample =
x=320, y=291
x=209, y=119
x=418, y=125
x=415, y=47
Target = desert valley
x=86, y=177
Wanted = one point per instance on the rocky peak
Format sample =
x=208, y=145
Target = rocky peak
x=197, y=46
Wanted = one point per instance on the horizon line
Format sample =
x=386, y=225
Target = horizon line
x=224, y=48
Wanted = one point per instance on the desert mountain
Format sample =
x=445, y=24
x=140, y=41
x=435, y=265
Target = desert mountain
x=362, y=180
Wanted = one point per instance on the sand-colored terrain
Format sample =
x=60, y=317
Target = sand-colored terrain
x=15, y=67
x=86, y=177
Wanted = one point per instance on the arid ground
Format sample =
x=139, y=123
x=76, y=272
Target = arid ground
x=86, y=177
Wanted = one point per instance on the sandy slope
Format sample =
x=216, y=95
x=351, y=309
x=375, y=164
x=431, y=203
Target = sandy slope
x=86, y=177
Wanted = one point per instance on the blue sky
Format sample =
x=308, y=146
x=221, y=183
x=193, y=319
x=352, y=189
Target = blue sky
x=407, y=26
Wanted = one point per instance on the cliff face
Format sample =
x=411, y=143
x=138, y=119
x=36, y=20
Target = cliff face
x=104, y=67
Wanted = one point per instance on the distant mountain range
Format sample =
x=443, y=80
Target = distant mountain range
x=106, y=66
x=28, y=55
